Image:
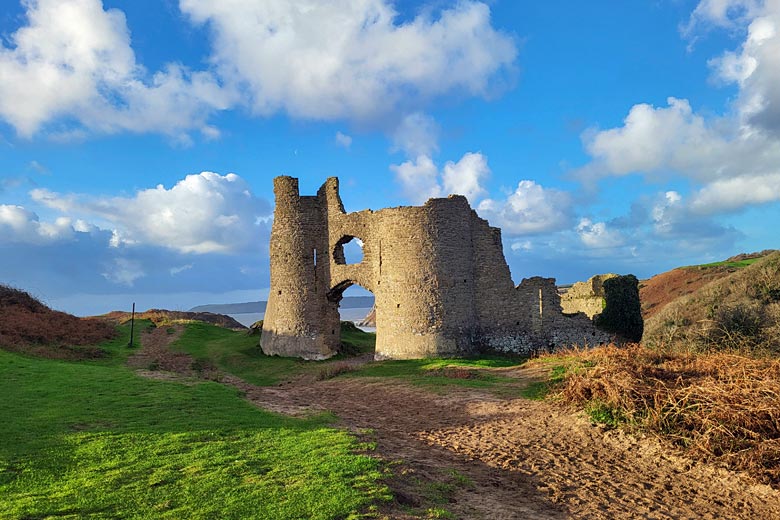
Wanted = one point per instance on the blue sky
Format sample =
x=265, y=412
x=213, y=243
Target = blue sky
x=139, y=140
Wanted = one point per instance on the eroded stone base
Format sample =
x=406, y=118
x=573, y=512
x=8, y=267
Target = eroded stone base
x=306, y=347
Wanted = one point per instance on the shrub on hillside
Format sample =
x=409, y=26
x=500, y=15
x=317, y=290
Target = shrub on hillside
x=736, y=325
x=765, y=285
x=256, y=329
x=12, y=297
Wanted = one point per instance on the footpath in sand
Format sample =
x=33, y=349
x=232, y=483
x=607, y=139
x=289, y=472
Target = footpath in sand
x=518, y=458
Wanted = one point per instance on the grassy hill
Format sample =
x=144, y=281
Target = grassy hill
x=706, y=377
x=161, y=317
x=661, y=289
x=738, y=310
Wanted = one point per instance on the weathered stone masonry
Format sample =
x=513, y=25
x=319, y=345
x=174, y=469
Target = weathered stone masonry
x=437, y=271
x=587, y=297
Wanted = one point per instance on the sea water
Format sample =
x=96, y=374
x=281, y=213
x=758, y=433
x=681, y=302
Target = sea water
x=353, y=315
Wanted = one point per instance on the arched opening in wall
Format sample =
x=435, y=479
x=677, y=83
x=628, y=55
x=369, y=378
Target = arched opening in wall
x=348, y=250
x=357, y=315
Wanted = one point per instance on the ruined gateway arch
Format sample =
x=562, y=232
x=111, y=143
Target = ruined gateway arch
x=441, y=284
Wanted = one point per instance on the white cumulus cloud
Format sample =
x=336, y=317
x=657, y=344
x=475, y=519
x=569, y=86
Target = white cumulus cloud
x=755, y=68
x=713, y=154
x=20, y=225
x=421, y=179
x=70, y=69
x=651, y=138
x=203, y=213
x=721, y=13
x=597, y=235
x=350, y=59
x=466, y=176
x=530, y=209
x=730, y=194
x=732, y=160
x=73, y=60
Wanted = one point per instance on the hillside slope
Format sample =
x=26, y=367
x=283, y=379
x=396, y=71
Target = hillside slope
x=741, y=310
x=162, y=317
x=29, y=326
x=658, y=291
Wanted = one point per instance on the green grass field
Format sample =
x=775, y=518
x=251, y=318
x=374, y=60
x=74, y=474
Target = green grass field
x=239, y=353
x=725, y=263
x=93, y=440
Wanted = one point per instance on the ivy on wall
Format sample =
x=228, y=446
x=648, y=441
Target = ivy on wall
x=622, y=313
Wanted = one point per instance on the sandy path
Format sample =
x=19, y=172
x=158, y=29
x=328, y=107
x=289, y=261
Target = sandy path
x=526, y=459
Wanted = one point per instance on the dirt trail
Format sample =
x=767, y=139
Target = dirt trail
x=525, y=459
x=155, y=359
x=517, y=458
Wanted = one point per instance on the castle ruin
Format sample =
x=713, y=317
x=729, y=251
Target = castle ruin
x=588, y=297
x=441, y=284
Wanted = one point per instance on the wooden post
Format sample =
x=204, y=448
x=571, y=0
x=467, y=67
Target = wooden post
x=132, y=326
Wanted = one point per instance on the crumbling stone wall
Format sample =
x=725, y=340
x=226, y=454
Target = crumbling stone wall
x=611, y=301
x=441, y=284
x=586, y=297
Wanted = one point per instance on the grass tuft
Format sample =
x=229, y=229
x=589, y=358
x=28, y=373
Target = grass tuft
x=332, y=370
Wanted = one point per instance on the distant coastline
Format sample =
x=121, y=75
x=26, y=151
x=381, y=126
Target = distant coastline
x=349, y=302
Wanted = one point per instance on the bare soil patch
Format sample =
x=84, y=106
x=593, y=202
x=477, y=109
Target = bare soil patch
x=155, y=359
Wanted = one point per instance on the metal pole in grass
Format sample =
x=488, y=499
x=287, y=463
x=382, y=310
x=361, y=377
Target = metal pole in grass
x=132, y=326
